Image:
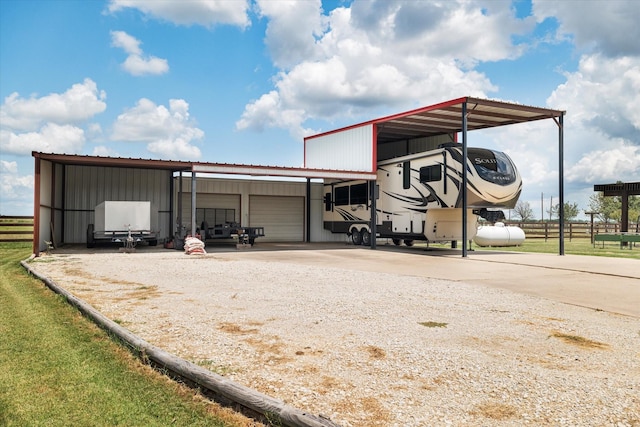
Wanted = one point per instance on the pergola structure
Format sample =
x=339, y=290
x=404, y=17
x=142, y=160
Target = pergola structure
x=624, y=190
x=50, y=183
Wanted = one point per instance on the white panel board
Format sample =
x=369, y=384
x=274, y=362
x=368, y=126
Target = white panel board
x=350, y=149
x=120, y=216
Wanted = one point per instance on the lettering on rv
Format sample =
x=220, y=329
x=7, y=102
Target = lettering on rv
x=480, y=161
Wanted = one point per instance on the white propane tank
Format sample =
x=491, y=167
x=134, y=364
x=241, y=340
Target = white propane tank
x=499, y=235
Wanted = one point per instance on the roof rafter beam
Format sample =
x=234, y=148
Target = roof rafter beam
x=501, y=113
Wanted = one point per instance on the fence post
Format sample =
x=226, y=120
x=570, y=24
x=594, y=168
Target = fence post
x=546, y=231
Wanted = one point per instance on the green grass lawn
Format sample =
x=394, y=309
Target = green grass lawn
x=59, y=369
x=576, y=246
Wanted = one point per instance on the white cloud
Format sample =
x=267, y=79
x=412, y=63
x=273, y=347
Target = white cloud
x=16, y=191
x=137, y=63
x=104, y=151
x=129, y=44
x=8, y=167
x=51, y=138
x=79, y=103
x=608, y=26
x=607, y=166
x=50, y=123
x=169, y=132
x=377, y=56
x=603, y=119
x=601, y=132
x=190, y=12
x=139, y=66
x=291, y=29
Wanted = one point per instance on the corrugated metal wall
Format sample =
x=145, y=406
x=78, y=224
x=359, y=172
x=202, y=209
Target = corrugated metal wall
x=88, y=186
x=221, y=192
x=350, y=149
x=401, y=148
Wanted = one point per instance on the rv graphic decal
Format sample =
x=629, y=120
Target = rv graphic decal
x=348, y=216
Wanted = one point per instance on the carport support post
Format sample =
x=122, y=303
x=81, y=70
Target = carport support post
x=464, y=179
x=193, y=204
x=308, y=214
x=374, y=227
x=179, y=224
x=561, y=182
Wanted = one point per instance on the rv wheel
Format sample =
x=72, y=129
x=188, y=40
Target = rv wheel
x=408, y=242
x=356, y=237
x=396, y=242
x=366, y=237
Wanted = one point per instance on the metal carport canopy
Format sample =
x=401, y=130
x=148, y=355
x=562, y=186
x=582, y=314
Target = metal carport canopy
x=446, y=118
x=460, y=116
x=174, y=166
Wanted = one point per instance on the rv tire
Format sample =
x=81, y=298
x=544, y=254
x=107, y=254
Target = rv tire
x=396, y=242
x=408, y=242
x=366, y=237
x=356, y=237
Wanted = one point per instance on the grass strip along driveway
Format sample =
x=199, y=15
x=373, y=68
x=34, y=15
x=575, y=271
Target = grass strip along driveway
x=59, y=369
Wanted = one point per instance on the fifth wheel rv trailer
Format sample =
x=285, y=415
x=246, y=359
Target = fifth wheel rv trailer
x=419, y=198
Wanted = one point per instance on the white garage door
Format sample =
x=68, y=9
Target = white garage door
x=281, y=216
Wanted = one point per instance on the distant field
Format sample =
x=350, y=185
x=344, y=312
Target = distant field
x=16, y=229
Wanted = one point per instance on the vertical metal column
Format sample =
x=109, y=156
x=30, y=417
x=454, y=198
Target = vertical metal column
x=561, y=182
x=35, y=246
x=193, y=203
x=373, y=226
x=464, y=179
x=308, y=213
x=180, y=191
x=171, y=205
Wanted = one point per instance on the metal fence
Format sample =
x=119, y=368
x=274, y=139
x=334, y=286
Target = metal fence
x=572, y=230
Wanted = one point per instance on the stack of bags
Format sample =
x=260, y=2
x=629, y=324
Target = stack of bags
x=193, y=245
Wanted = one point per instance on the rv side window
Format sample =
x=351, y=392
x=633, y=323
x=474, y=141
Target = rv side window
x=406, y=175
x=342, y=196
x=430, y=173
x=359, y=194
x=327, y=202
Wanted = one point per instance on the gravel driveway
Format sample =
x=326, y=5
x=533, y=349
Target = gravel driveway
x=370, y=349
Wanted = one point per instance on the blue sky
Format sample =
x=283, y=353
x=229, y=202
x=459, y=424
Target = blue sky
x=245, y=81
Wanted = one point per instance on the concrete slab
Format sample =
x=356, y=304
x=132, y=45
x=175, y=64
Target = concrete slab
x=600, y=283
